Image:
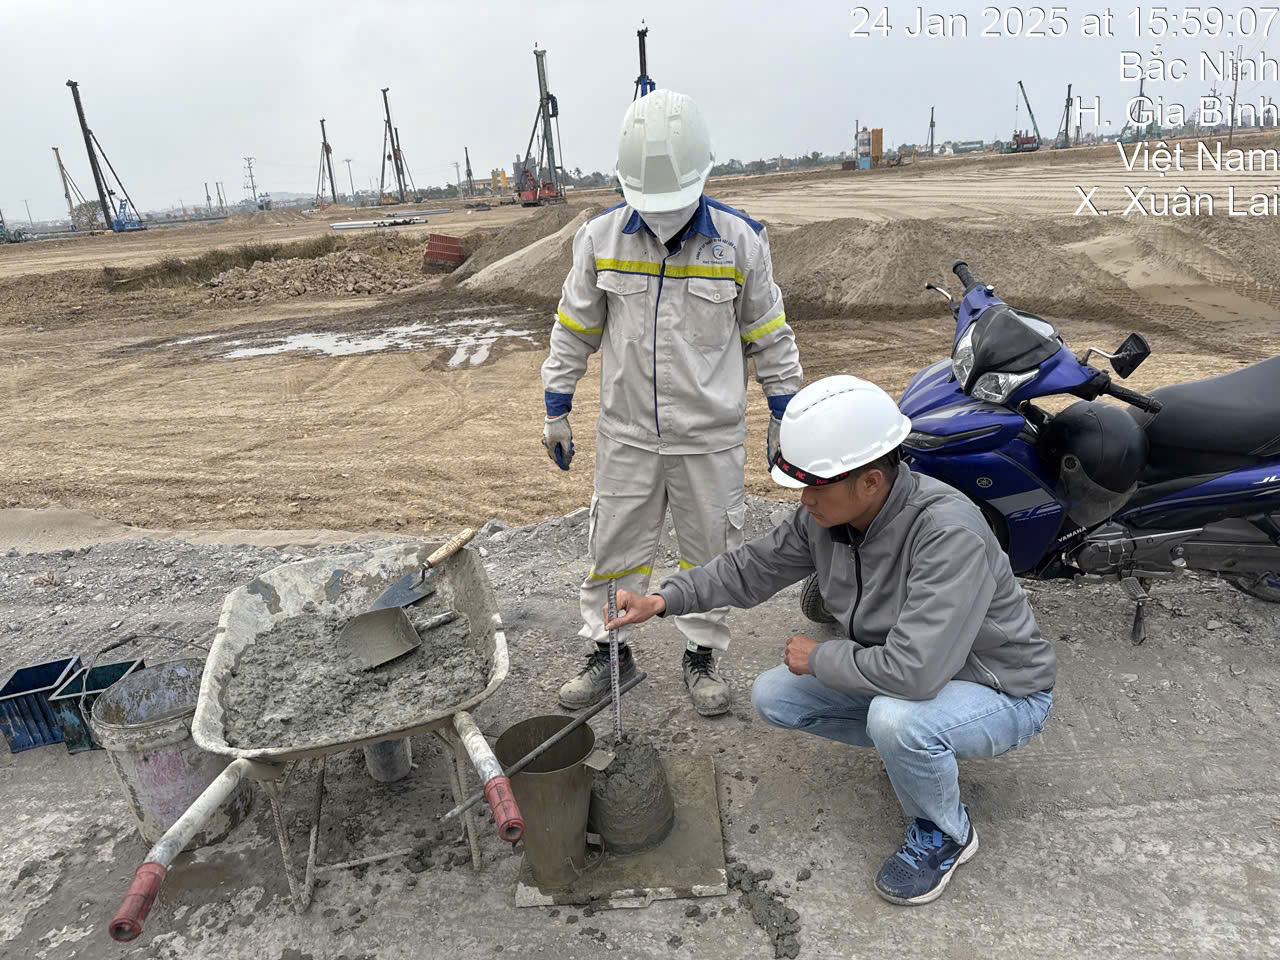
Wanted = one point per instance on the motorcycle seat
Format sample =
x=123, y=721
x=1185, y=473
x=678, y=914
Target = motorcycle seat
x=1214, y=425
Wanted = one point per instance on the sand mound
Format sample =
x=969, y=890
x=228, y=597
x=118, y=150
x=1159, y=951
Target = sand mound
x=1225, y=249
x=859, y=268
x=534, y=273
x=1048, y=265
x=268, y=218
x=494, y=247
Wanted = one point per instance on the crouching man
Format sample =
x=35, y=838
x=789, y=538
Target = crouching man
x=942, y=659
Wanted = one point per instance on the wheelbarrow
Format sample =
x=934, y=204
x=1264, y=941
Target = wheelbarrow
x=338, y=585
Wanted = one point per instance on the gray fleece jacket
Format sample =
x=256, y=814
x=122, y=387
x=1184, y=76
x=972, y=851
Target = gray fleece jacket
x=926, y=595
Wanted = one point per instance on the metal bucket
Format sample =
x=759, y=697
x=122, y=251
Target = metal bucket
x=144, y=723
x=554, y=794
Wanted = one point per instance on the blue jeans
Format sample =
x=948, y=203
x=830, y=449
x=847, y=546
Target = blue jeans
x=918, y=740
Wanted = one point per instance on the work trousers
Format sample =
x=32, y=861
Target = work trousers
x=634, y=488
x=918, y=740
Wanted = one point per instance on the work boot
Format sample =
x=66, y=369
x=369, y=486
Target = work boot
x=592, y=684
x=707, y=689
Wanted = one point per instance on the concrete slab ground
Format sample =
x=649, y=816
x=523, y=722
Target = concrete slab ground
x=1143, y=822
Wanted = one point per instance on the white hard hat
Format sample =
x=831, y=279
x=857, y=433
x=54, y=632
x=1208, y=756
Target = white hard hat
x=664, y=152
x=832, y=427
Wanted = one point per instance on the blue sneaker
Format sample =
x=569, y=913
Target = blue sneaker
x=919, y=871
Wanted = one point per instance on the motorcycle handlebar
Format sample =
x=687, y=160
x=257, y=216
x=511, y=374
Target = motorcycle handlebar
x=961, y=270
x=1139, y=400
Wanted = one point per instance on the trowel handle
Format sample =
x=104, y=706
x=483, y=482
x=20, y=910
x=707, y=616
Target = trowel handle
x=450, y=548
x=128, y=921
x=497, y=788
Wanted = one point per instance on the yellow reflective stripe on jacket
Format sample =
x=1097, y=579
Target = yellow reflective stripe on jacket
x=574, y=325
x=709, y=272
x=686, y=565
x=727, y=272
x=629, y=266
x=765, y=329
x=647, y=571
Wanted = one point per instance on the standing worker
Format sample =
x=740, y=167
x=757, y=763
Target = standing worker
x=679, y=291
x=943, y=658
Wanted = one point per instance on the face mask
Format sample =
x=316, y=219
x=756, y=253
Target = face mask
x=667, y=225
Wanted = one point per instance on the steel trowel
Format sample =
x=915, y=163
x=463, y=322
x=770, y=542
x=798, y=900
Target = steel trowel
x=378, y=636
x=412, y=587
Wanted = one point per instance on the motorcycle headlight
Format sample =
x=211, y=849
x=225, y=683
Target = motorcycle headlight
x=962, y=358
x=924, y=441
x=999, y=387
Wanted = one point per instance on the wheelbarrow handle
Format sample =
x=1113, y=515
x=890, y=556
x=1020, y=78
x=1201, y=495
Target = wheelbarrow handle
x=497, y=788
x=128, y=920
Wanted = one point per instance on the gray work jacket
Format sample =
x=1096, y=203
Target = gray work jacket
x=925, y=596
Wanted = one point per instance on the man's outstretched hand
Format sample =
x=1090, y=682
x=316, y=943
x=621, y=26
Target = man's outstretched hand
x=796, y=656
x=634, y=608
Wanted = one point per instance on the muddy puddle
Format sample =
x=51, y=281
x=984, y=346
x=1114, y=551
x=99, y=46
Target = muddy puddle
x=464, y=338
x=469, y=339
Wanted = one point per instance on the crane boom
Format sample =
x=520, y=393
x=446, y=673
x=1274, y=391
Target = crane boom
x=1030, y=112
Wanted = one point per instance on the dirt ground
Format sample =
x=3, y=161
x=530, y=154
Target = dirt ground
x=135, y=426
x=166, y=409
x=1141, y=823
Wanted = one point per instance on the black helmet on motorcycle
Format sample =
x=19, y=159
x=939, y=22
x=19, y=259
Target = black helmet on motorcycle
x=1098, y=451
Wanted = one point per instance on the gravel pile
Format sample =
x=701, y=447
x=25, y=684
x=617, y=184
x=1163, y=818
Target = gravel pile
x=368, y=266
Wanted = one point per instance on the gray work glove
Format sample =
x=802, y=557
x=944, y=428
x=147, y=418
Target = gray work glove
x=557, y=437
x=775, y=426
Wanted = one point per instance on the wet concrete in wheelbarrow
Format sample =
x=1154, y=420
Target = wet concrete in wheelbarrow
x=295, y=684
x=1158, y=755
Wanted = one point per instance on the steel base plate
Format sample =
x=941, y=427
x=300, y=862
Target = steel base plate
x=689, y=863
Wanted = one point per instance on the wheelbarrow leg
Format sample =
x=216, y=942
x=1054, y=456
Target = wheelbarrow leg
x=309, y=884
x=282, y=836
x=463, y=762
x=457, y=781
x=301, y=897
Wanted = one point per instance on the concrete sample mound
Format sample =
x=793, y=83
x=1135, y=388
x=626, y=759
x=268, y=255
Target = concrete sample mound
x=631, y=804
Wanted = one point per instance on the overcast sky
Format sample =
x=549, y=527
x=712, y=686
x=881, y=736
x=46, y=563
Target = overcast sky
x=179, y=93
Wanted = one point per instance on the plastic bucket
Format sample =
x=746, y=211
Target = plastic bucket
x=554, y=794
x=144, y=724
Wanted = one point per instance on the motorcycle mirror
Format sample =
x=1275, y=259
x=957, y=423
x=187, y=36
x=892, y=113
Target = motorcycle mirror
x=1130, y=355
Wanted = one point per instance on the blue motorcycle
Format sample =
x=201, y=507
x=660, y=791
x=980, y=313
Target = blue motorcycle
x=1187, y=478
